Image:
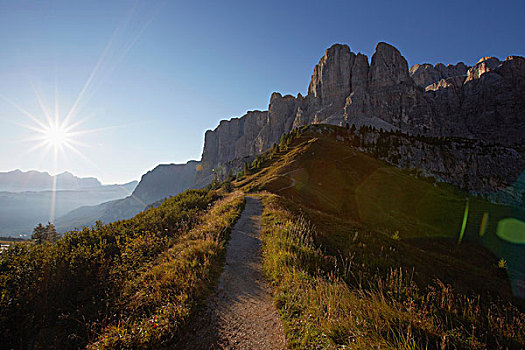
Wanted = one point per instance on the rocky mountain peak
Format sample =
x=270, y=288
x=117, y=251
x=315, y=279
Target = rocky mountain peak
x=489, y=60
x=331, y=76
x=388, y=66
x=518, y=58
x=484, y=65
x=513, y=69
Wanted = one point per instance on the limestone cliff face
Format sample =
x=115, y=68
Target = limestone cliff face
x=232, y=139
x=331, y=80
x=484, y=102
x=489, y=104
x=426, y=74
x=390, y=95
x=165, y=180
x=485, y=168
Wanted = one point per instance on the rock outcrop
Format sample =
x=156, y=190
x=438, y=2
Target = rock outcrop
x=473, y=164
x=426, y=74
x=485, y=102
x=488, y=105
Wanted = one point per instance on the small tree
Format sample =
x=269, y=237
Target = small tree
x=289, y=139
x=227, y=185
x=229, y=176
x=215, y=183
x=39, y=234
x=48, y=233
x=283, y=140
x=51, y=233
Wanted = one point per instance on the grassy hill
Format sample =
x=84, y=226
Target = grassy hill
x=386, y=237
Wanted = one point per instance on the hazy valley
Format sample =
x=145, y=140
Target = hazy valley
x=26, y=198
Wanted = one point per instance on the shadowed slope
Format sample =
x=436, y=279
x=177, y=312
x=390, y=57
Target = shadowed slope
x=341, y=188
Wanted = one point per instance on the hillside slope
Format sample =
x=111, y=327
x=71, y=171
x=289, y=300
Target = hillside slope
x=341, y=186
x=362, y=254
x=131, y=284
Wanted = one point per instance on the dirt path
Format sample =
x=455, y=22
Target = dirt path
x=240, y=313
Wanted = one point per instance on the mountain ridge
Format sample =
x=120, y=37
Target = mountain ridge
x=486, y=103
x=163, y=181
x=34, y=180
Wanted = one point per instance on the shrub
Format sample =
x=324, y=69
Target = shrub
x=63, y=295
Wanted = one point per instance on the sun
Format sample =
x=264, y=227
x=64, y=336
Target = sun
x=56, y=136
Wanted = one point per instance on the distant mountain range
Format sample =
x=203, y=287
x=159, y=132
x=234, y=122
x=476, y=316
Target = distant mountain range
x=476, y=112
x=20, y=181
x=27, y=198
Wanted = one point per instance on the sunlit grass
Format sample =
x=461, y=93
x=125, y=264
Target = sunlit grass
x=329, y=302
x=159, y=301
x=502, y=263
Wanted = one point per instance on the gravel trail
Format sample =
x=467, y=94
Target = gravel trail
x=239, y=314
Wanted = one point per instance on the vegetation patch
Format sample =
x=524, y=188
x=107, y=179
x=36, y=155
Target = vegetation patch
x=332, y=299
x=128, y=284
x=159, y=300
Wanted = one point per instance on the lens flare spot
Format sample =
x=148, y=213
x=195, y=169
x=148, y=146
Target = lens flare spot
x=511, y=230
x=484, y=224
x=464, y=223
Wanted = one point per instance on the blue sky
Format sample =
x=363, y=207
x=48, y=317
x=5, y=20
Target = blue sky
x=163, y=72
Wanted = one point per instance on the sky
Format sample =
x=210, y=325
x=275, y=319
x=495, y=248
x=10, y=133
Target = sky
x=141, y=81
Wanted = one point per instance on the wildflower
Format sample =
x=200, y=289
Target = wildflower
x=502, y=263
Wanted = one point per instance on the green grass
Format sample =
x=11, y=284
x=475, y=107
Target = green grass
x=364, y=255
x=334, y=179
x=329, y=302
x=338, y=179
